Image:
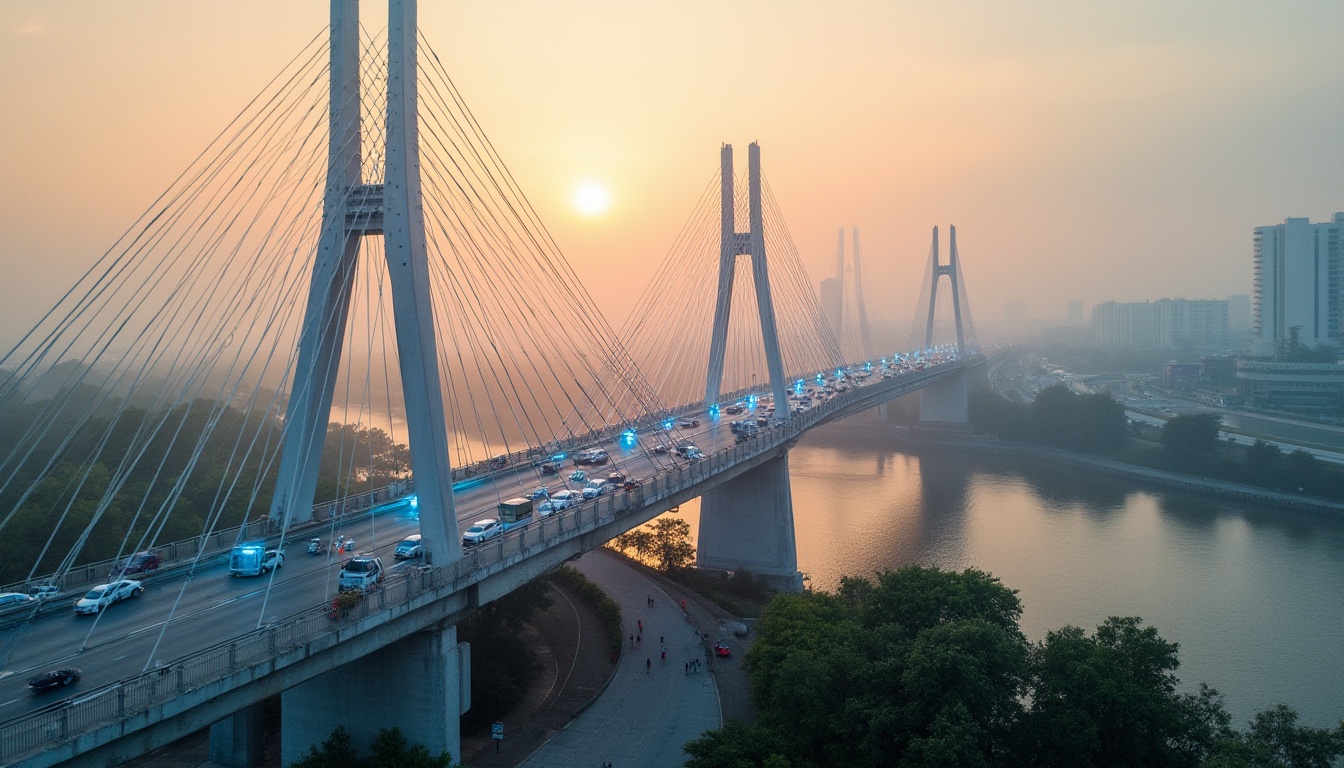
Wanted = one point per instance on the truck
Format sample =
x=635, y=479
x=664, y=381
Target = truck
x=515, y=513
x=254, y=559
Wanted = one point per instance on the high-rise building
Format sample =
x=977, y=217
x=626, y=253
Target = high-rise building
x=1239, y=312
x=1186, y=323
x=1128, y=324
x=1298, y=273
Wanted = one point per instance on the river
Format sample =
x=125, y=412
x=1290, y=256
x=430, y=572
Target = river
x=1254, y=594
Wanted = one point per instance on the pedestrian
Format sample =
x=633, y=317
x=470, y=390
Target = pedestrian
x=683, y=605
x=648, y=665
x=687, y=669
x=639, y=639
x=632, y=641
x=640, y=623
x=662, y=641
x=664, y=655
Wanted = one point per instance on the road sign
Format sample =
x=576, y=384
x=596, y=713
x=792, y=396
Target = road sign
x=496, y=730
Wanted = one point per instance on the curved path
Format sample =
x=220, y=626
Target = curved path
x=651, y=707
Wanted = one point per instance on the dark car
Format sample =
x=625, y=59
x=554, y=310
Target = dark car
x=499, y=462
x=140, y=562
x=56, y=678
x=549, y=468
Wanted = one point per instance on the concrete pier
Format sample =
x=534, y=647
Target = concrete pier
x=746, y=524
x=420, y=684
x=943, y=405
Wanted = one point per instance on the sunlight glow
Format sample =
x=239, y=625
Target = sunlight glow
x=591, y=198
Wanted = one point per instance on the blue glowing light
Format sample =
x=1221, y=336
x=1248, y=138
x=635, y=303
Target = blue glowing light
x=714, y=410
x=667, y=424
x=559, y=457
x=821, y=379
x=628, y=437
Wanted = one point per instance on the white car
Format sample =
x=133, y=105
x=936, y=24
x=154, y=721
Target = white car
x=560, y=500
x=481, y=530
x=595, y=488
x=410, y=547
x=104, y=595
x=13, y=601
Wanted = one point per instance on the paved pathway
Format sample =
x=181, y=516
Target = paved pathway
x=648, y=712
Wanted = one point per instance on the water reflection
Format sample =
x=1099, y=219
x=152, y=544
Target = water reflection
x=1250, y=592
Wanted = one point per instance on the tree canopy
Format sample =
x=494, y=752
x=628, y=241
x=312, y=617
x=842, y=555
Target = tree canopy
x=924, y=667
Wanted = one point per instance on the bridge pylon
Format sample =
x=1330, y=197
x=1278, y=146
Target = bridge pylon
x=352, y=210
x=747, y=523
x=731, y=245
x=944, y=404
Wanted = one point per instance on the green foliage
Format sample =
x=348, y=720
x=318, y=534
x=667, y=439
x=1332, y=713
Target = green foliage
x=1275, y=740
x=665, y=544
x=922, y=667
x=1057, y=417
x=1190, y=436
x=390, y=749
x=187, y=475
x=607, y=609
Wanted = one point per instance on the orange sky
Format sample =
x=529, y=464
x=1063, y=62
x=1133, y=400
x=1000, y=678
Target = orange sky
x=1084, y=150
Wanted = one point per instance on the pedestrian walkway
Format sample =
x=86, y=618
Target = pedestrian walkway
x=652, y=707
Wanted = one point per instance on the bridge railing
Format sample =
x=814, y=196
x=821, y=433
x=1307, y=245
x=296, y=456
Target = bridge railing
x=315, y=628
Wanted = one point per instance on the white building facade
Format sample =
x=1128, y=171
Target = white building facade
x=1298, y=282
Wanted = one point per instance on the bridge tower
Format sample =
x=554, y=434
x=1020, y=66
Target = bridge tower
x=747, y=523
x=944, y=404
x=352, y=210
x=865, y=335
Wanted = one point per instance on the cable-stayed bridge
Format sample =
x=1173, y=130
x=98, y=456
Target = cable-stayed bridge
x=351, y=248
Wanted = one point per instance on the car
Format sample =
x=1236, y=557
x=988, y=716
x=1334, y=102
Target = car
x=616, y=478
x=499, y=462
x=104, y=595
x=735, y=408
x=559, y=501
x=141, y=562
x=482, y=530
x=595, y=488
x=56, y=678
x=689, y=451
x=13, y=601
x=361, y=573
x=660, y=448
x=409, y=547
x=594, y=456
x=578, y=476
x=722, y=649
x=549, y=468
x=42, y=592
x=540, y=492
x=688, y=423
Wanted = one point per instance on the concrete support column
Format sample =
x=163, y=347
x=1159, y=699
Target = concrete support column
x=236, y=742
x=943, y=404
x=746, y=524
x=420, y=684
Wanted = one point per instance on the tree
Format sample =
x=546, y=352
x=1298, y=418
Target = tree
x=671, y=546
x=1264, y=464
x=390, y=749
x=1110, y=700
x=1190, y=435
x=1275, y=740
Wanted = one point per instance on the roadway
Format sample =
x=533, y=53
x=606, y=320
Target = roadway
x=183, y=611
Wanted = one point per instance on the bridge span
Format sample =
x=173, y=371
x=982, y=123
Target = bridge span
x=311, y=658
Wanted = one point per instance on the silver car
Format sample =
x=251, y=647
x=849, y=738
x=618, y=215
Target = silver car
x=409, y=547
x=481, y=530
x=560, y=500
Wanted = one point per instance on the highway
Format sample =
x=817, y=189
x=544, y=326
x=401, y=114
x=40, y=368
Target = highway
x=181, y=613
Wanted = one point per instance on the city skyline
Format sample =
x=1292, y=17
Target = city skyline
x=1126, y=152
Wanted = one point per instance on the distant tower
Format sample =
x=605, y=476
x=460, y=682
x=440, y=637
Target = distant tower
x=833, y=294
x=938, y=271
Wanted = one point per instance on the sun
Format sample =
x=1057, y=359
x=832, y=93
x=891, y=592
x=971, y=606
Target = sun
x=591, y=198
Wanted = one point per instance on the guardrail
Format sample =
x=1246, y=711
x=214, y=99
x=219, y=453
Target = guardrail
x=41, y=729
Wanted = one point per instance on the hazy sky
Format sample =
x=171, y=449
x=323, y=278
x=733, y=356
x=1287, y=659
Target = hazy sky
x=1084, y=150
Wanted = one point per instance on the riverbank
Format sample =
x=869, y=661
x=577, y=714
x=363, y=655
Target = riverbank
x=889, y=436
